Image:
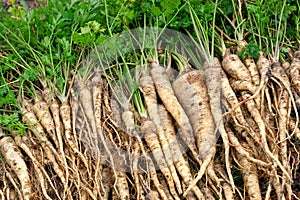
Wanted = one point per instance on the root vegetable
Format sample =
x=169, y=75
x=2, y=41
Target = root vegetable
x=284, y=106
x=13, y=157
x=235, y=68
x=149, y=93
x=191, y=91
x=227, y=190
x=155, y=180
x=250, y=176
x=15, y=193
x=295, y=71
x=180, y=163
x=48, y=148
x=135, y=171
x=242, y=152
x=149, y=130
x=86, y=100
x=230, y=96
x=54, y=108
x=250, y=104
x=250, y=64
x=65, y=114
x=153, y=195
x=106, y=182
x=116, y=112
x=164, y=185
x=212, y=78
x=40, y=109
x=122, y=185
x=166, y=94
x=39, y=169
x=263, y=66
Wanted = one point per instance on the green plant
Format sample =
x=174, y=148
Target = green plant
x=270, y=24
x=250, y=50
x=13, y=123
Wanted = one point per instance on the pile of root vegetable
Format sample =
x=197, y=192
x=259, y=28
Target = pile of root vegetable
x=227, y=131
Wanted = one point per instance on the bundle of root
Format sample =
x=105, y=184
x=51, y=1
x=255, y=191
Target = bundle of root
x=228, y=130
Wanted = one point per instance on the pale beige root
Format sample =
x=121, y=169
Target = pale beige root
x=208, y=193
x=13, y=157
x=148, y=90
x=65, y=114
x=105, y=98
x=233, y=66
x=295, y=72
x=241, y=131
x=140, y=193
x=275, y=180
x=40, y=109
x=39, y=169
x=15, y=193
x=153, y=195
x=250, y=64
x=86, y=100
x=149, y=130
x=212, y=79
x=283, y=104
x=251, y=106
x=239, y=148
x=54, y=108
x=166, y=94
x=190, y=195
x=180, y=163
x=225, y=186
x=293, y=127
x=155, y=180
x=49, y=150
x=268, y=192
x=95, y=134
x=97, y=168
x=116, y=112
x=191, y=91
x=2, y=195
x=97, y=90
x=263, y=66
x=122, y=186
x=212, y=174
x=107, y=182
x=231, y=98
x=206, y=161
x=240, y=85
x=250, y=176
x=272, y=139
x=38, y=130
x=96, y=86
x=128, y=119
x=164, y=185
x=284, y=109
